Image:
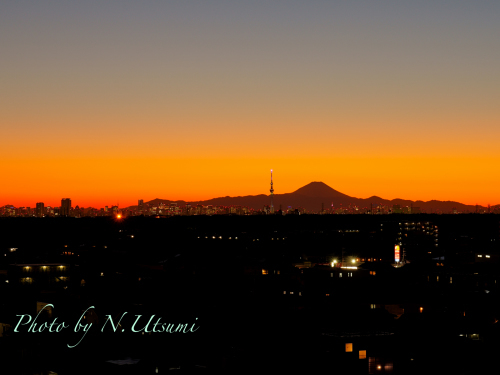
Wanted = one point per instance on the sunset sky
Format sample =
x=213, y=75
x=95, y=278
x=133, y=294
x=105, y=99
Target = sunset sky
x=108, y=102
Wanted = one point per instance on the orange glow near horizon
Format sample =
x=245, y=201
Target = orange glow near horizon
x=100, y=182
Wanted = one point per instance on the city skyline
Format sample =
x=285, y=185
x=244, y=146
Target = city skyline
x=306, y=199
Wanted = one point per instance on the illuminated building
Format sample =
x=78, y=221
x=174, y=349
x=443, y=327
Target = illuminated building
x=413, y=237
x=44, y=274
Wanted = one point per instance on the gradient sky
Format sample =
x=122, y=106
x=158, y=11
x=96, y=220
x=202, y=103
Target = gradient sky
x=114, y=101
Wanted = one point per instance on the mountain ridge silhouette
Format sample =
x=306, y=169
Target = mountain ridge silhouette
x=315, y=195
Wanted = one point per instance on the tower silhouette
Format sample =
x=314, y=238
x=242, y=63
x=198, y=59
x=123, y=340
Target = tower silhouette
x=272, y=193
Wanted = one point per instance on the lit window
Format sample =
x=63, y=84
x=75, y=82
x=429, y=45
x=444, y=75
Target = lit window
x=264, y=272
x=362, y=354
x=340, y=274
x=451, y=280
x=284, y=292
x=291, y=292
x=487, y=256
x=300, y=293
x=421, y=309
x=479, y=256
x=278, y=272
x=331, y=275
x=437, y=278
x=328, y=295
x=348, y=347
x=373, y=306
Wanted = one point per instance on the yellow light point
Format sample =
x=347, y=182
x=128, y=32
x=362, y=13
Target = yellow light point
x=118, y=216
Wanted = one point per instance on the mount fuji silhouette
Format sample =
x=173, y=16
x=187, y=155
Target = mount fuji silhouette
x=315, y=195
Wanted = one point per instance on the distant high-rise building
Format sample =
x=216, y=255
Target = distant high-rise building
x=65, y=207
x=40, y=209
x=140, y=206
x=396, y=209
x=271, y=209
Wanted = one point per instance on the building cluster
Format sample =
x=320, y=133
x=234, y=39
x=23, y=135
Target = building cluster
x=64, y=210
x=174, y=209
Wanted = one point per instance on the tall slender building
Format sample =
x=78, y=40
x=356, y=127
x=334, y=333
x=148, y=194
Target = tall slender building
x=65, y=206
x=272, y=193
x=40, y=209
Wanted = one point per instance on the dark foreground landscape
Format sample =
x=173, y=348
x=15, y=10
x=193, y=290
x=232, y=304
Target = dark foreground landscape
x=261, y=294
